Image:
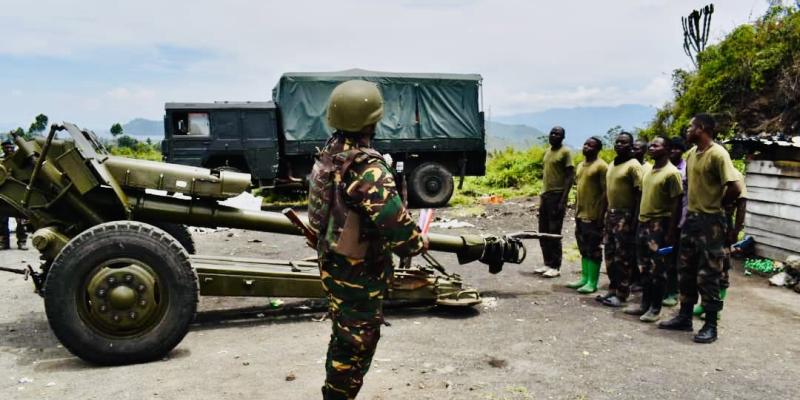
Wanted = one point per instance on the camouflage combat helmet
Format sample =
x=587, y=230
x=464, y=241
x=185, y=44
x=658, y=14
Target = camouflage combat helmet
x=354, y=105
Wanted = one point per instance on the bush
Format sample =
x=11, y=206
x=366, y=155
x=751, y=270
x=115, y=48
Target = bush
x=129, y=147
x=748, y=81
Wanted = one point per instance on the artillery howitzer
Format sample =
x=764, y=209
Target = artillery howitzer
x=118, y=284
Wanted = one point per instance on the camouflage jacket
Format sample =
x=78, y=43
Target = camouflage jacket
x=354, y=204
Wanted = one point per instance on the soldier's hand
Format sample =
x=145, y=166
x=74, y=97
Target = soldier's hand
x=425, y=243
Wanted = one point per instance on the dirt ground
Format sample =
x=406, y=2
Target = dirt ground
x=530, y=339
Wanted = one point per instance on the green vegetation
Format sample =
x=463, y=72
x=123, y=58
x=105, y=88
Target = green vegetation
x=750, y=81
x=127, y=146
x=512, y=173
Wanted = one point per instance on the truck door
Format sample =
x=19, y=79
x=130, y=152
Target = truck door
x=226, y=148
x=260, y=141
x=189, y=137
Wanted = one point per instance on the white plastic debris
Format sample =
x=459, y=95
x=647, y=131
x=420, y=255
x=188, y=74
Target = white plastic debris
x=778, y=279
x=451, y=223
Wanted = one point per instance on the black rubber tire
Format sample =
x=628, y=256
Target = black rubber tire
x=430, y=185
x=180, y=232
x=129, y=239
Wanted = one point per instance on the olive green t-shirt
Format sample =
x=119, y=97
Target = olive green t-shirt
x=646, y=167
x=621, y=183
x=659, y=188
x=591, y=180
x=556, y=163
x=707, y=173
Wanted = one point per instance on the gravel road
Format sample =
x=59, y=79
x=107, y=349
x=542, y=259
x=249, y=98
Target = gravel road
x=530, y=339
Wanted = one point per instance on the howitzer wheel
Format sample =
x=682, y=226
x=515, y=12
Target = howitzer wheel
x=121, y=293
x=179, y=232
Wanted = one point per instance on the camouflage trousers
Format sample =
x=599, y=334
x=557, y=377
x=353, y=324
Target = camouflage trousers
x=589, y=235
x=727, y=264
x=551, y=220
x=651, y=236
x=619, y=240
x=355, y=292
x=702, y=255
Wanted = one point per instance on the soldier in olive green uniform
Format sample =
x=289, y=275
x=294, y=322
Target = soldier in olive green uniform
x=712, y=184
x=355, y=208
x=623, y=188
x=590, y=204
x=557, y=181
x=659, y=215
x=734, y=222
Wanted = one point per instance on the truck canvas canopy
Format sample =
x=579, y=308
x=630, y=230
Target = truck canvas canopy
x=417, y=106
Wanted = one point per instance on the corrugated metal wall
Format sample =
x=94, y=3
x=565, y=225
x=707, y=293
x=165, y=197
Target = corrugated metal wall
x=773, y=207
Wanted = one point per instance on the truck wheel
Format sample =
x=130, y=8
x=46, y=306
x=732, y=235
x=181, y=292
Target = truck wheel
x=121, y=293
x=430, y=185
x=180, y=232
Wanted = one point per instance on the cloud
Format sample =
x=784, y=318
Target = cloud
x=134, y=56
x=653, y=93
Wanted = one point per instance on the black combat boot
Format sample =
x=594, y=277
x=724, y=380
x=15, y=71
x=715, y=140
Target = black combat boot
x=708, y=333
x=681, y=322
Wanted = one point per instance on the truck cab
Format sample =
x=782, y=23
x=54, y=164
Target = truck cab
x=234, y=136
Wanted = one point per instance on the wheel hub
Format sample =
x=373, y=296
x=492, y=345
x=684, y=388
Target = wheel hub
x=433, y=185
x=122, y=297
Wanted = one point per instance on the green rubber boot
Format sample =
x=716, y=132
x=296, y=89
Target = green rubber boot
x=699, y=311
x=592, y=275
x=584, y=277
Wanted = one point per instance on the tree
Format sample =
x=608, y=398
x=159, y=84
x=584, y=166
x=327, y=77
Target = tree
x=611, y=136
x=116, y=129
x=695, y=33
x=127, y=141
x=38, y=126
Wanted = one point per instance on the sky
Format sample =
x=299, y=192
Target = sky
x=97, y=62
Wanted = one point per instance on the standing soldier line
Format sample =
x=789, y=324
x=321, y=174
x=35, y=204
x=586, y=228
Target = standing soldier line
x=699, y=213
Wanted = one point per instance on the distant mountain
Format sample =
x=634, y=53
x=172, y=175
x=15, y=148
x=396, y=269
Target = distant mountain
x=500, y=135
x=582, y=122
x=144, y=127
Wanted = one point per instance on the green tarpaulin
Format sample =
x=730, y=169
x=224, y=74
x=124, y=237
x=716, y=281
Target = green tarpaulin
x=447, y=104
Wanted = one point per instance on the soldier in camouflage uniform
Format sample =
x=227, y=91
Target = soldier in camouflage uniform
x=712, y=184
x=623, y=190
x=659, y=215
x=734, y=222
x=355, y=208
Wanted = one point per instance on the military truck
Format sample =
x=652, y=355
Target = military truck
x=433, y=129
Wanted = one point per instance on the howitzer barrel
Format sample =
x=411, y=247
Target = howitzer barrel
x=490, y=250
